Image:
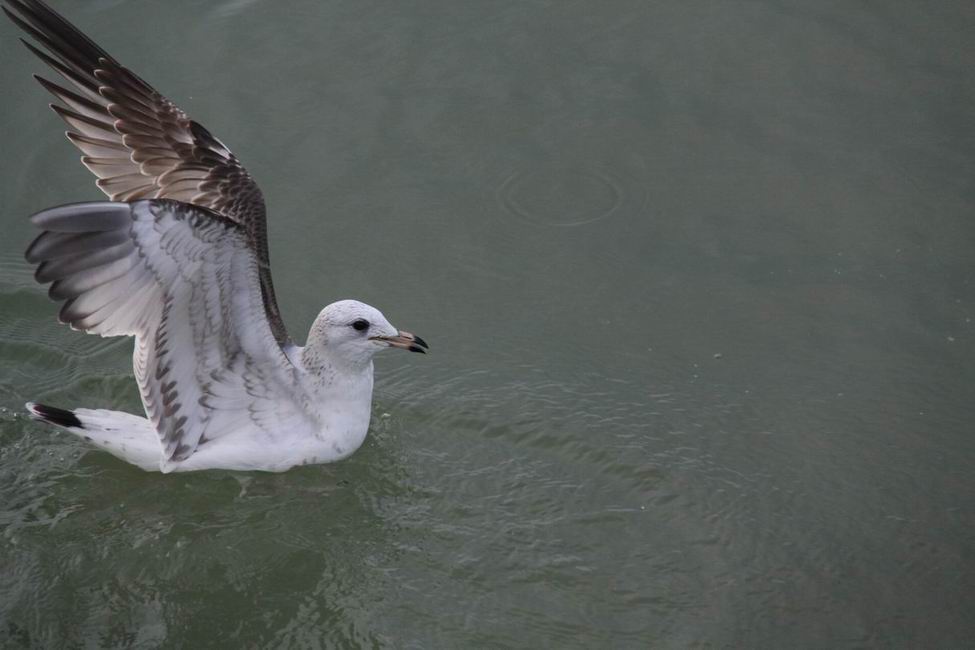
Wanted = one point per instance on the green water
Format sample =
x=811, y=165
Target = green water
x=698, y=280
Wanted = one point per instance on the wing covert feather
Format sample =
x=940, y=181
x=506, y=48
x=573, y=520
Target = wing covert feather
x=184, y=281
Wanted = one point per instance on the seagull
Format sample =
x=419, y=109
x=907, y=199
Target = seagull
x=178, y=259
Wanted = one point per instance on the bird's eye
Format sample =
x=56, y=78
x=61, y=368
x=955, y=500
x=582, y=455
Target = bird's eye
x=360, y=325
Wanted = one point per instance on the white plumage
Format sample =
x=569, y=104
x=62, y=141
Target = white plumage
x=219, y=391
x=180, y=262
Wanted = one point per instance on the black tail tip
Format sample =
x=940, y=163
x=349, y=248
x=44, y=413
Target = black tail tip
x=54, y=415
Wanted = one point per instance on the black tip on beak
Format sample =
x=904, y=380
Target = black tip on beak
x=405, y=341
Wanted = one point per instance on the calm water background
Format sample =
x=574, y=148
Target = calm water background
x=698, y=278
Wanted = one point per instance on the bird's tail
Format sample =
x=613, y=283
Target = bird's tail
x=124, y=435
x=54, y=415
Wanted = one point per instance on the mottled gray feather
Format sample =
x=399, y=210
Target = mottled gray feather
x=53, y=270
x=52, y=245
x=82, y=217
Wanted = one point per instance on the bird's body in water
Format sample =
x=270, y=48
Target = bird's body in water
x=178, y=260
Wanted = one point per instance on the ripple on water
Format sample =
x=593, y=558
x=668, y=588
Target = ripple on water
x=567, y=194
x=17, y=273
x=45, y=357
x=523, y=417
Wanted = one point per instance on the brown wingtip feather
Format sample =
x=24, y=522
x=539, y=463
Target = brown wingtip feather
x=105, y=98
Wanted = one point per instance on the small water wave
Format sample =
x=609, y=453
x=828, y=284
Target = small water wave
x=17, y=273
x=581, y=426
x=46, y=357
x=567, y=195
x=229, y=8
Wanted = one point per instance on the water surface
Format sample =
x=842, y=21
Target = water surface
x=698, y=279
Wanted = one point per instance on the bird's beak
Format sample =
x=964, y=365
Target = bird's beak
x=404, y=340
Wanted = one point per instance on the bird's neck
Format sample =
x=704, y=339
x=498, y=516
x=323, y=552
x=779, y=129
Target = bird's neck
x=339, y=397
x=326, y=369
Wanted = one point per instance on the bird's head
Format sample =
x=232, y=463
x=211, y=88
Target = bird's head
x=352, y=331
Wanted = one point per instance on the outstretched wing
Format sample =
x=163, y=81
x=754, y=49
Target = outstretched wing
x=184, y=281
x=138, y=143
